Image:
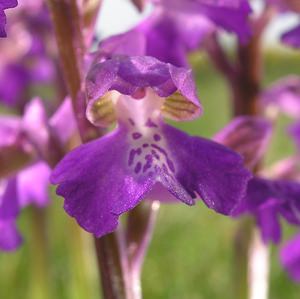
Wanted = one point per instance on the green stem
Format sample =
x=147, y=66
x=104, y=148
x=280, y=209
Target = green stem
x=40, y=287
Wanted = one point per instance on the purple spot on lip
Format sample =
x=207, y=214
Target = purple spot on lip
x=149, y=157
x=155, y=154
x=136, y=135
x=132, y=154
x=150, y=124
x=131, y=121
x=157, y=137
x=148, y=164
x=138, y=167
x=160, y=149
x=145, y=145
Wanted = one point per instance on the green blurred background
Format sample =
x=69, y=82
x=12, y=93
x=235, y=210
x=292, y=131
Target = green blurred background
x=191, y=255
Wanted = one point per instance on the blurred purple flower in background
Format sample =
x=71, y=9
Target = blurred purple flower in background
x=144, y=157
x=284, y=95
x=176, y=28
x=292, y=37
x=5, y=4
x=290, y=257
x=27, y=141
x=30, y=63
x=268, y=200
x=10, y=238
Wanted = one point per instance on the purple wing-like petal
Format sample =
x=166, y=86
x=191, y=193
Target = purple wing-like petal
x=292, y=37
x=97, y=184
x=208, y=169
x=249, y=136
x=33, y=184
x=10, y=238
x=290, y=258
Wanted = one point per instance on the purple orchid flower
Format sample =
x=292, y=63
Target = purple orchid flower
x=268, y=200
x=265, y=199
x=290, y=258
x=231, y=15
x=143, y=157
x=5, y=4
x=29, y=185
x=162, y=35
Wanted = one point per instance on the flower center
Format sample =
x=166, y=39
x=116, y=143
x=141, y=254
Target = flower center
x=148, y=153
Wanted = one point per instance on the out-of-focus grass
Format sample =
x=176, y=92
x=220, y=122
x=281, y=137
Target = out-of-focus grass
x=191, y=254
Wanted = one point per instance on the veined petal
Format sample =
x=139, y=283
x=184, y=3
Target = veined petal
x=247, y=135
